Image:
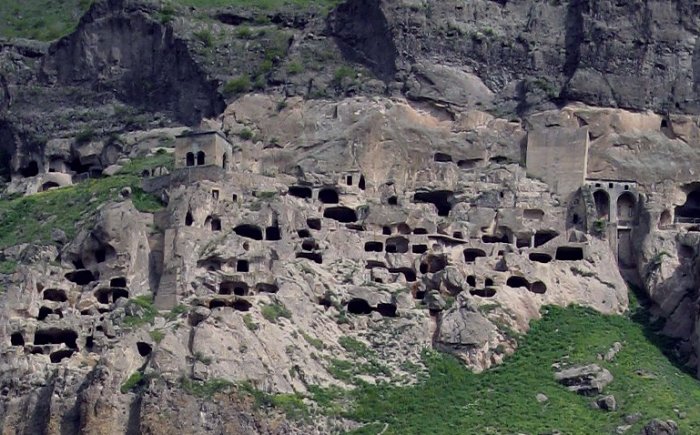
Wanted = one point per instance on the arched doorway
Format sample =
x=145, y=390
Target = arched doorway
x=189, y=159
x=200, y=158
x=602, y=204
x=626, y=206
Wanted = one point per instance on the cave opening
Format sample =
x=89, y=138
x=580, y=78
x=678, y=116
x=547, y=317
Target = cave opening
x=340, y=214
x=300, y=191
x=249, y=231
x=328, y=196
x=359, y=306
x=441, y=199
x=397, y=245
x=569, y=253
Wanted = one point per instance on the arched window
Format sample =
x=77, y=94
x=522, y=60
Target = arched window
x=190, y=159
x=225, y=162
x=200, y=158
x=626, y=205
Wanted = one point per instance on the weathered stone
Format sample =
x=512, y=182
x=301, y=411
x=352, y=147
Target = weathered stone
x=660, y=427
x=586, y=380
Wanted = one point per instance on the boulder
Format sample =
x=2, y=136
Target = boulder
x=585, y=380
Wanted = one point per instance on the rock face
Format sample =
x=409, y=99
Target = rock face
x=119, y=46
x=427, y=196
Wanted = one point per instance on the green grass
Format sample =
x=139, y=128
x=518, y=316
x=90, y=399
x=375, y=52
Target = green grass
x=136, y=379
x=204, y=390
x=148, y=315
x=291, y=404
x=44, y=20
x=502, y=400
x=32, y=218
x=265, y=5
x=8, y=267
x=273, y=312
x=47, y=20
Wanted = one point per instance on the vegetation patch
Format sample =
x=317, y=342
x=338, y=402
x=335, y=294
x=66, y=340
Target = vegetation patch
x=204, y=390
x=452, y=398
x=291, y=404
x=273, y=312
x=31, y=219
x=136, y=380
x=8, y=267
x=146, y=312
x=40, y=19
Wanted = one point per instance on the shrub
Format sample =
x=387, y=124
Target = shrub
x=205, y=37
x=136, y=379
x=206, y=389
x=84, y=136
x=342, y=73
x=245, y=134
x=244, y=32
x=157, y=335
x=272, y=312
x=237, y=86
x=249, y=323
x=295, y=68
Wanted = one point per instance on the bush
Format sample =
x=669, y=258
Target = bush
x=84, y=136
x=205, y=36
x=274, y=311
x=245, y=134
x=136, y=379
x=342, y=73
x=237, y=86
x=295, y=68
x=249, y=323
x=244, y=32
x=206, y=389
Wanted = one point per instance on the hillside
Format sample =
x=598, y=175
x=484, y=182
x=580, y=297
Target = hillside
x=375, y=217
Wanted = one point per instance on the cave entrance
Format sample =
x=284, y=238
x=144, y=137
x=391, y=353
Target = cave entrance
x=374, y=246
x=471, y=254
x=690, y=211
x=569, y=253
x=328, y=196
x=238, y=288
x=249, y=231
x=540, y=257
x=517, y=281
x=626, y=205
x=56, y=336
x=397, y=245
x=602, y=204
x=359, y=306
x=441, y=199
x=340, y=214
x=300, y=191
x=31, y=170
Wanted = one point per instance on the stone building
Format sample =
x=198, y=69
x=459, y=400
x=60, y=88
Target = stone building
x=203, y=148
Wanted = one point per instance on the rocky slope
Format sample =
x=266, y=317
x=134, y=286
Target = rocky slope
x=376, y=202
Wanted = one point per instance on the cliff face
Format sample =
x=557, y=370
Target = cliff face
x=120, y=48
x=381, y=193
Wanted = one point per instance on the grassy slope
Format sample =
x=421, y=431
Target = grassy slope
x=31, y=218
x=40, y=19
x=499, y=401
x=47, y=20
